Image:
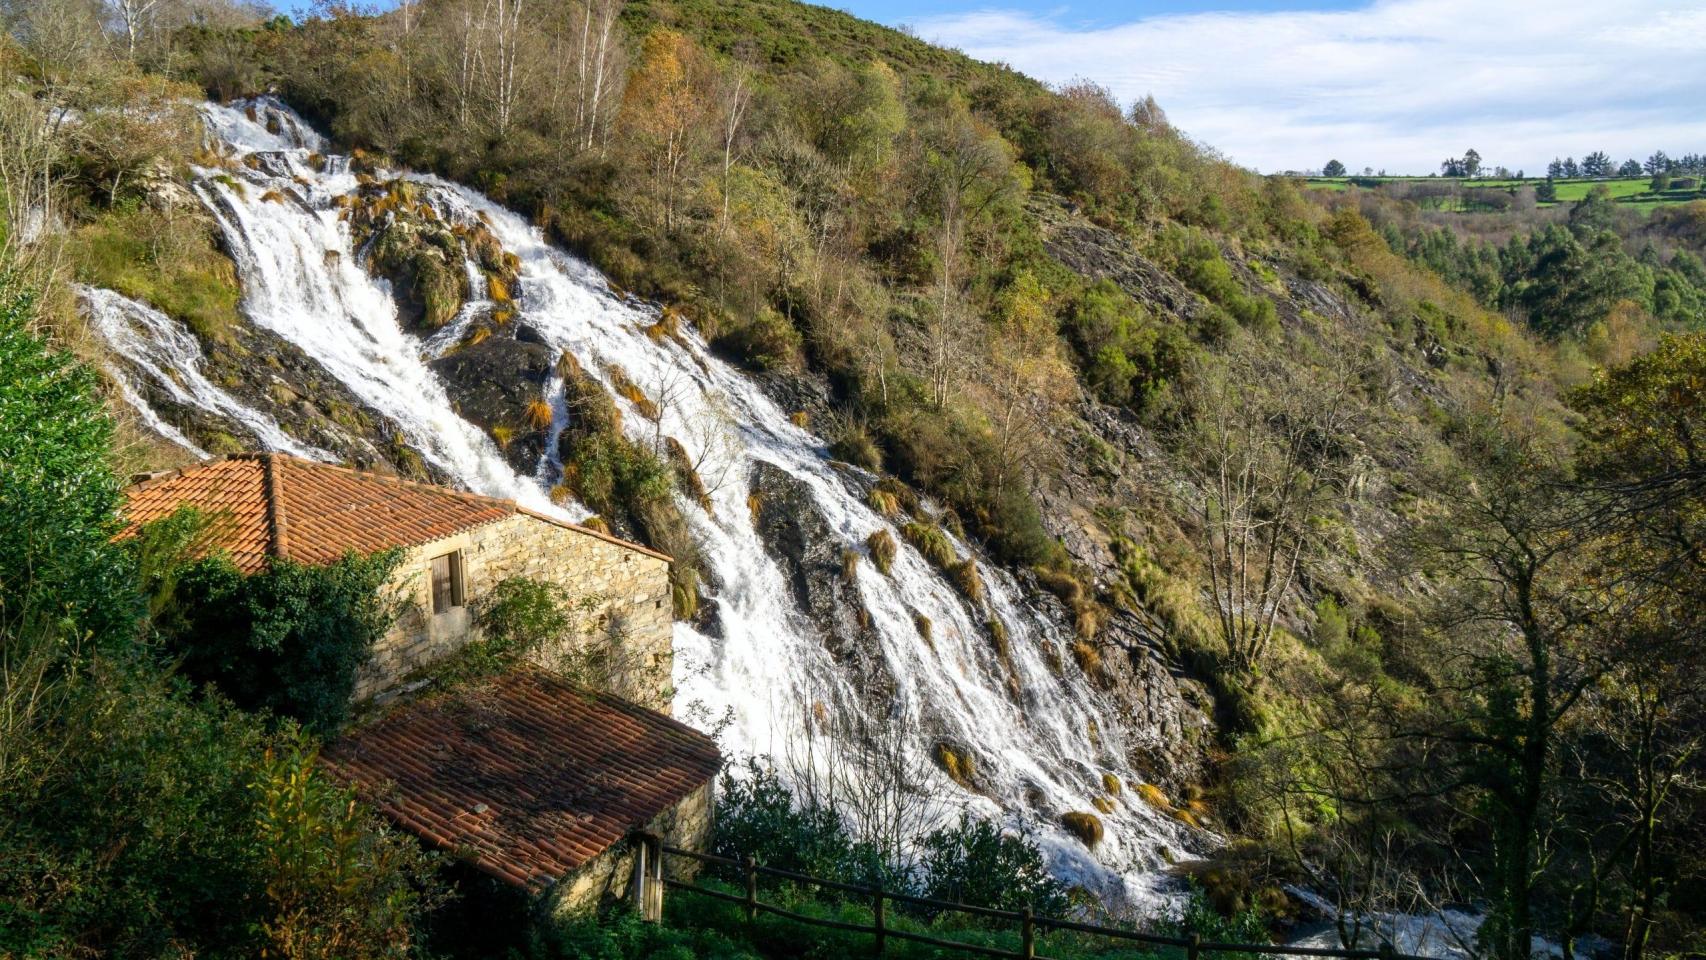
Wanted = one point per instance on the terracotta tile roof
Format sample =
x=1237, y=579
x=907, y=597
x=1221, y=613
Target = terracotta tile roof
x=278, y=505
x=526, y=774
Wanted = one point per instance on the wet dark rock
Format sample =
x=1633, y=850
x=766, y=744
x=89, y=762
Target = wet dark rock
x=491, y=383
x=275, y=377
x=810, y=555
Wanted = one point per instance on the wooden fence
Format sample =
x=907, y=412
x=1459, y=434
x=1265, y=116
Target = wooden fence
x=1029, y=925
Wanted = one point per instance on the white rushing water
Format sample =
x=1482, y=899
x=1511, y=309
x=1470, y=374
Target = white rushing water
x=164, y=351
x=765, y=674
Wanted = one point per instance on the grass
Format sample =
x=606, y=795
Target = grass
x=1630, y=190
x=882, y=547
x=170, y=263
x=932, y=543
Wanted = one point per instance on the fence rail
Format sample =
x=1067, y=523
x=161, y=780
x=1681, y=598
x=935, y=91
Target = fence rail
x=1028, y=923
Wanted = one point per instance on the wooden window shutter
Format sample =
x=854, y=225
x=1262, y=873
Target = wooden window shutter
x=446, y=592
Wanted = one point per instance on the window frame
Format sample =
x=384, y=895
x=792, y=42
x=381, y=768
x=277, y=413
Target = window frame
x=457, y=593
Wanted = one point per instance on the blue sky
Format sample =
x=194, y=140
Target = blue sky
x=1388, y=84
x=895, y=12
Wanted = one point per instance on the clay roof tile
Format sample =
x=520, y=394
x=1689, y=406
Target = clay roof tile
x=540, y=777
x=277, y=505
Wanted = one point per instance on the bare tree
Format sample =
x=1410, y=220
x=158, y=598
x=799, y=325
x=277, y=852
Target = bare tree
x=860, y=760
x=737, y=95
x=135, y=16
x=1271, y=465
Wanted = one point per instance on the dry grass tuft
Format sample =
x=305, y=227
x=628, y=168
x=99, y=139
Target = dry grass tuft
x=538, y=414
x=1087, y=827
x=1089, y=658
x=883, y=548
x=932, y=543
x=968, y=580
x=631, y=392
x=883, y=502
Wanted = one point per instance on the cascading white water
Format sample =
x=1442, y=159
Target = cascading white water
x=165, y=352
x=766, y=671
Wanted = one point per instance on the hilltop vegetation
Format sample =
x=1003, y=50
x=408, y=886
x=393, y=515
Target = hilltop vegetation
x=1416, y=517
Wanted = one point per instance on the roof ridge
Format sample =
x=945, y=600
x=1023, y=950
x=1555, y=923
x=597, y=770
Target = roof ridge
x=273, y=467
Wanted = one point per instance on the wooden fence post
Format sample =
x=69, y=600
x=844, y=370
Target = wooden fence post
x=1387, y=951
x=1195, y=949
x=751, y=888
x=881, y=927
x=1028, y=934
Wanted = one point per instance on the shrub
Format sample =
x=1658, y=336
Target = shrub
x=334, y=885
x=765, y=340
x=850, y=441
x=978, y=863
x=60, y=498
x=159, y=825
x=757, y=816
x=288, y=639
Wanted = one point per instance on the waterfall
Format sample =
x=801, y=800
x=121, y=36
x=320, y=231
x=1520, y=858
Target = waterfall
x=170, y=357
x=762, y=675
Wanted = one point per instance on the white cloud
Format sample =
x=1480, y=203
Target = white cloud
x=1399, y=84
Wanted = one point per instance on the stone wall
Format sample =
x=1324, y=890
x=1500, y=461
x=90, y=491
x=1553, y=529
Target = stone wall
x=606, y=877
x=632, y=612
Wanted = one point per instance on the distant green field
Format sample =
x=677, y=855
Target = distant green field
x=1631, y=190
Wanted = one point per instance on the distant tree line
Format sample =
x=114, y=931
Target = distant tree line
x=1600, y=164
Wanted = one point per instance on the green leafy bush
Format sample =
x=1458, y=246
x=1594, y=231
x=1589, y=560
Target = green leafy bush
x=58, y=498
x=1127, y=354
x=979, y=863
x=757, y=816
x=334, y=885
x=289, y=639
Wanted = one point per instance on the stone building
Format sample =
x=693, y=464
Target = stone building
x=540, y=782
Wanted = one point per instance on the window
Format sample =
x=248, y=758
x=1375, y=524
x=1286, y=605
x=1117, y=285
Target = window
x=446, y=582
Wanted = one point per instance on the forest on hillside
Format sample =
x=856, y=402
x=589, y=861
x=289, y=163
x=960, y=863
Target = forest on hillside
x=1412, y=504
